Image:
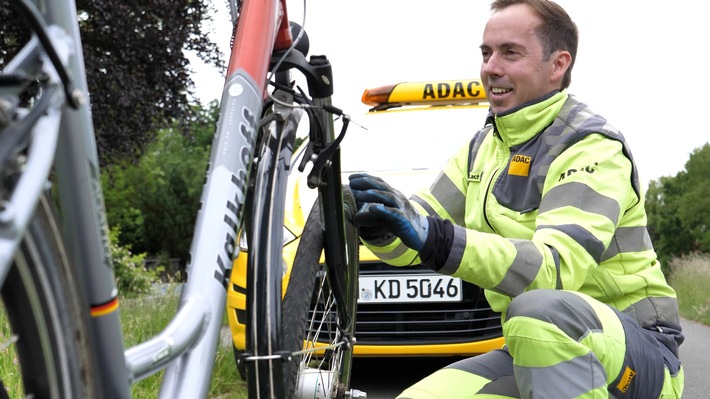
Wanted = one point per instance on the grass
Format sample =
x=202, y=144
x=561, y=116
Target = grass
x=9, y=375
x=690, y=276
x=143, y=318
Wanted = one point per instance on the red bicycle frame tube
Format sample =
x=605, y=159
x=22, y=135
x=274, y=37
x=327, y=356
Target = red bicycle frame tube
x=263, y=27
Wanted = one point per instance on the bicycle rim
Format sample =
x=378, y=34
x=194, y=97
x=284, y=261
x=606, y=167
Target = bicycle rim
x=322, y=343
x=42, y=331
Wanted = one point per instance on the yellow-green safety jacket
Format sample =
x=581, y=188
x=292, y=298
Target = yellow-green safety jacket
x=545, y=196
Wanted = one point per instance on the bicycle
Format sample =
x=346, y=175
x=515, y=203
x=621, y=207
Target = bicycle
x=55, y=267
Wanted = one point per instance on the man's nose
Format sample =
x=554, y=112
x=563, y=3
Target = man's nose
x=492, y=66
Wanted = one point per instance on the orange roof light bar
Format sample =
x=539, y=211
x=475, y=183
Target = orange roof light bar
x=445, y=92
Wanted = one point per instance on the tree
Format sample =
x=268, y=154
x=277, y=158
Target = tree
x=137, y=70
x=670, y=238
x=678, y=209
x=154, y=201
x=694, y=204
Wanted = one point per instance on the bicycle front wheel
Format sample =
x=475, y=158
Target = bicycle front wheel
x=43, y=348
x=313, y=330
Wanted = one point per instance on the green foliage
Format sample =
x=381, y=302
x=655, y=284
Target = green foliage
x=144, y=317
x=679, y=209
x=155, y=201
x=137, y=68
x=694, y=204
x=11, y=379
x=132, y=277
x=669, y=236
x=690, y=277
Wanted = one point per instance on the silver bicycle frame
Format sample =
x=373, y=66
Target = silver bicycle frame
x=76, y=165
x=187, y=346
x=213, y=246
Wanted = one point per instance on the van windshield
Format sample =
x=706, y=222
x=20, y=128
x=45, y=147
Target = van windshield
x=409, y=139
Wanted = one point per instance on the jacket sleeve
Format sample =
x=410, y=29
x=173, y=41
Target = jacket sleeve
x=449, y=207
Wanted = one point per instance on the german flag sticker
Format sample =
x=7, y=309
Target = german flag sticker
x=104, y=309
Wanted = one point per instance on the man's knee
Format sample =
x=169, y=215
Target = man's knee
x=490, y=374
x=568, y=311
x=449, y=383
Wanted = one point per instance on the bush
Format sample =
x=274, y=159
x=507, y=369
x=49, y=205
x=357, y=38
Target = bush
x=154, y=201
x=132, y=277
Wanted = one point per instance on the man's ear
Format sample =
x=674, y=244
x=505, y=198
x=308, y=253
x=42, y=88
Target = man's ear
x=560, y=64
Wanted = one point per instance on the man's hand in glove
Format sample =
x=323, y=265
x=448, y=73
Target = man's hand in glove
x=382, y=208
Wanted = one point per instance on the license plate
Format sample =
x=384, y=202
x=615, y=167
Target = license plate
x=409, y=288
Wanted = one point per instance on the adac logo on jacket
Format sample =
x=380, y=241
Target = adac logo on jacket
x=626, y=379
x=475, y=176
x=520, y=165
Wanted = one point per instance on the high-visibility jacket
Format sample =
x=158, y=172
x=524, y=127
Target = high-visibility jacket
x=545, y=196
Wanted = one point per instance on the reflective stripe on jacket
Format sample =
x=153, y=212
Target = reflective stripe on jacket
x=547, y=196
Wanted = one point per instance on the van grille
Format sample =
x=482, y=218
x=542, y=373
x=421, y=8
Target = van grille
x=470, y=320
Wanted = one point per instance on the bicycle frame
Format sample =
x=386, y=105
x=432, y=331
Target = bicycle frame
x=79, y=191
x=186, y=347
x=220, y=218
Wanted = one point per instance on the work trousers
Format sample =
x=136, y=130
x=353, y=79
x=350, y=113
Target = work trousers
x=562, y=344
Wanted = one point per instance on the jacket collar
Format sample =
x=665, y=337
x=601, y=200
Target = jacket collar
x=520, y=124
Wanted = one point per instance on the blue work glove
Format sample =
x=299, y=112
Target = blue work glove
x=383, y=209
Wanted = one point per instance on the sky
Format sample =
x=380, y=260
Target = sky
x=640, y=63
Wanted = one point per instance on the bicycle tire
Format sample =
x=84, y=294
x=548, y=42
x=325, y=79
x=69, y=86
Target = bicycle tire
x=308, y=314
x=43, y=309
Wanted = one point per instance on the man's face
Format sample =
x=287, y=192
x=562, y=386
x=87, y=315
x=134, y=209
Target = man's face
x=513, y=70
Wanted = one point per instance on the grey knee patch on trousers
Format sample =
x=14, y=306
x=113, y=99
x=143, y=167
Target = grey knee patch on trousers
x=497, y=366
x=569, y=312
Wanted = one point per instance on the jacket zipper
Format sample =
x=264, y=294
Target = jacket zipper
x=485, y=200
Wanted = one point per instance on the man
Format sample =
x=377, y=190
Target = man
x=543, y=210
